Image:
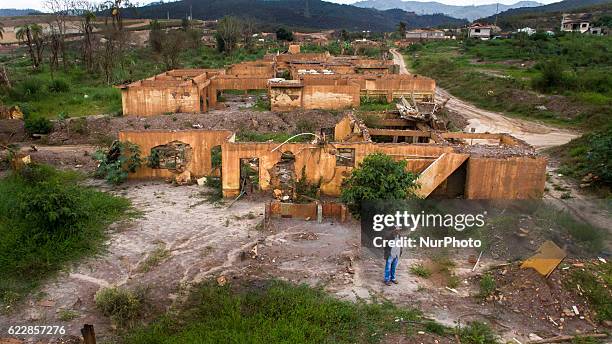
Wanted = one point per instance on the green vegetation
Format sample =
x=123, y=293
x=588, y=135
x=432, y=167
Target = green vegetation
x=375, y=104
x=272, y=313
x=252, y=136
x=67, y=315
x=588, y=157
x=489, y=73
x=487, y=285
x=420, y=270
x=564, y=80
x=477, y=333
x=75, y=91
x=596, y=283
x=158, y=255
x=118, y=161
x=122, y=305
x=378, y=177
x=46, y=220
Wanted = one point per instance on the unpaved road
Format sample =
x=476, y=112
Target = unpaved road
x=538, y=135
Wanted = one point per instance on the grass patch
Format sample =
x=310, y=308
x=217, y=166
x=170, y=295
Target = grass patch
x=273, y=313
x=487, y=286
x=477, y=333
x=420, y=270
x=46, y=220
x=122, y=305
x=158, y=255
x=375, y=104
x=67, y=315
x=596, y=282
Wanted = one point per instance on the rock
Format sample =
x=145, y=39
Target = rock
x=183, y=178
x=201, y=181
x=541, y=108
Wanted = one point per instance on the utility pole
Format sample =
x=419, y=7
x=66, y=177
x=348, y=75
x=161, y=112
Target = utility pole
x=496, y=13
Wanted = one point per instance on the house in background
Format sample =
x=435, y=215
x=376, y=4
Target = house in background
x=424, y=34
x=580, y=22
x=482, y=31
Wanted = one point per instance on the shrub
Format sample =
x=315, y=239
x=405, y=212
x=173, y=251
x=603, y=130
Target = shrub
x=58, y=86
x=115, y=164
x=37, y=125
x=123, y=306
x=378, y=177
x=477, y=333
x=487, y=285
x=420, y=270
x=29, y=89
x=552, y=76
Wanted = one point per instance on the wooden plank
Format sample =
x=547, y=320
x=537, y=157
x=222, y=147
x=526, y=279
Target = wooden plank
x=485, y=136
x=394, y=122
x=438, y=172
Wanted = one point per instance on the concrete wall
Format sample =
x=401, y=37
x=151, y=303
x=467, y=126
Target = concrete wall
x=507, y=178
x=201, y=142
x=319, y=164
x=328, y=97
x=157, y=100
x=264, y=69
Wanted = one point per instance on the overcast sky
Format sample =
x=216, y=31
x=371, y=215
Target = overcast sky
x=37, y=4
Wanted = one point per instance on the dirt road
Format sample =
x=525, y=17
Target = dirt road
x=538, y=135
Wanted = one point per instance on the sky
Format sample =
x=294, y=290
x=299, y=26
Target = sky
x=38, y=4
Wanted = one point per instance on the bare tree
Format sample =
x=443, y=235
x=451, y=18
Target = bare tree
x=229, y=30
x=61, y=10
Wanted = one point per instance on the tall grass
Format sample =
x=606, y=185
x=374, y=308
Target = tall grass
x=276, y=312
x=47, y=220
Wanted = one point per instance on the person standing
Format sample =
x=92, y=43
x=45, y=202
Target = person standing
x=392, y=256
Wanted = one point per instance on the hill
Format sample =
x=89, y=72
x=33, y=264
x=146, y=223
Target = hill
x=313, y=14
x=13, y=12
x=548, y=17
x=467, y=12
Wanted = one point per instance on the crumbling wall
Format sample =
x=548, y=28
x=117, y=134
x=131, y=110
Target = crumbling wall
x=505, y=178
x=285, y=98
x=198, y=159
x=321, y=164
x=330, y=97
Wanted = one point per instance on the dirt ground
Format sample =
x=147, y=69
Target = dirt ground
x=205, y=240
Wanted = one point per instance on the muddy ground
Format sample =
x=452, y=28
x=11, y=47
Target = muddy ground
x=207, y=240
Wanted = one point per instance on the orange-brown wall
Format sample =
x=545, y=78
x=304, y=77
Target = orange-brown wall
x=319, y=163
x=151, y=101
x=507, y=178
x=201, y=142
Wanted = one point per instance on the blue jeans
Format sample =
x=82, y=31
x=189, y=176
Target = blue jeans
x=390, y=266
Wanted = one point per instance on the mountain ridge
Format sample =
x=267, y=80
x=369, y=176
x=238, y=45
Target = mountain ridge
x=315, y=14
x=470, y=12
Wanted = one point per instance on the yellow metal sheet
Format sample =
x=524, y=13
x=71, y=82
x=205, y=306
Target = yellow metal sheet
x=546, y=259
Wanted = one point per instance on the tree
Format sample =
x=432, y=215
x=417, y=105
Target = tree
x=155, y=37
x=173, y=43
x=378, y=177
x=32, y=36
x=87, y=48
x=283, y=34
x=229, y=30
x=401, y=29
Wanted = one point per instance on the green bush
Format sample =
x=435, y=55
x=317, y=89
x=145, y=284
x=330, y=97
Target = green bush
x=58, y=86
x=552, y=76
x=378, y=177
x=477, y=333
x=37, y=125
x=118, y=161
x=123, y=306
x=46, y=220
x=487, y=285
x=29, y=89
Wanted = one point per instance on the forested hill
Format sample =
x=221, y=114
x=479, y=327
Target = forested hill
x=548, y=17
x=313, y=14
